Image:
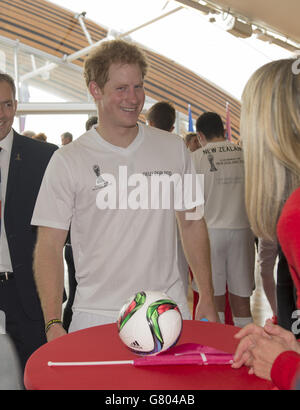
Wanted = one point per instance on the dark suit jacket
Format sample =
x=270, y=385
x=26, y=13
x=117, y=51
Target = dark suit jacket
x=28, y=162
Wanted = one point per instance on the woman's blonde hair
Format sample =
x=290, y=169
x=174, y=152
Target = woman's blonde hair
x=96, y=65
x=270, y=133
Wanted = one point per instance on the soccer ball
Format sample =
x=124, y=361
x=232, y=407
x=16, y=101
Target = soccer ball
x=149, y=322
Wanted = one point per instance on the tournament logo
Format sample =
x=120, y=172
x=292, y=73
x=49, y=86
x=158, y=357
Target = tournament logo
x=100, y=182
x=210, y=158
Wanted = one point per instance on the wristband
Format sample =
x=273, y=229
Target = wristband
x=51, y=323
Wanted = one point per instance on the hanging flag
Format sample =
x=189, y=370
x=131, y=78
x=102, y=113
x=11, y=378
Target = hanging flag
x=22, y=120
x=228, y=123
x=191, y=126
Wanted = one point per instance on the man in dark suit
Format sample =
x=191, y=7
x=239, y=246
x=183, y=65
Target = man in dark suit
x=23, y=162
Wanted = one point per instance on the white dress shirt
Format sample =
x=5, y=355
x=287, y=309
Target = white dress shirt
x=6, y=145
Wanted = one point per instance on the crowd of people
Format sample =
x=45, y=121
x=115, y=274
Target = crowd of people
x=248, y=190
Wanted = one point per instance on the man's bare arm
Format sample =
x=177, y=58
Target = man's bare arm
x=49, y=275
x=196, y=247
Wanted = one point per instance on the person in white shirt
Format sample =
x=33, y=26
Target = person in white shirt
x=192, y=141
x=162, y=115
x=101, y=185
x=231, y=239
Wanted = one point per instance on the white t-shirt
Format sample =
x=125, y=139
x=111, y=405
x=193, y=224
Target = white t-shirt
x=222, y=164
x=117, y=252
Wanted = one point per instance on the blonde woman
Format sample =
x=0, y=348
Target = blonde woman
x=270, y=131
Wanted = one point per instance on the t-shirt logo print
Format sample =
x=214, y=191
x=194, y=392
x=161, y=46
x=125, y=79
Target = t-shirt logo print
x=100, y=182
x=210, y=158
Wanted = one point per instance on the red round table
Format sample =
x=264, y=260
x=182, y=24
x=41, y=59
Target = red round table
x=103, y=343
